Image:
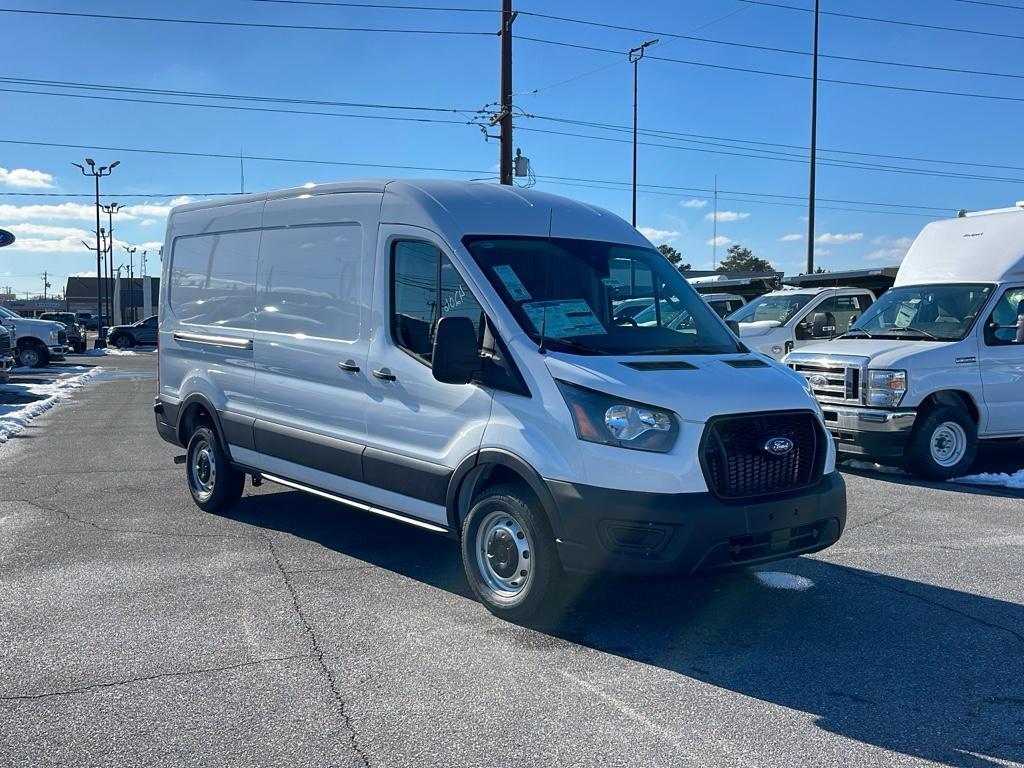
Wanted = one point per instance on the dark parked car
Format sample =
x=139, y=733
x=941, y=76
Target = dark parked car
x=88, y=319
x=142, y=333
x=76, y=331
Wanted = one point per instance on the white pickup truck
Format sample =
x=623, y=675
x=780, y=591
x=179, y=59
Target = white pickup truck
x=937, y=363
x=779, y=322
x=35, y=342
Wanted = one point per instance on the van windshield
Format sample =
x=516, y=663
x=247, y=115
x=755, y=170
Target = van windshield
x=778, y=308
x=924, y=312
x=584, y=296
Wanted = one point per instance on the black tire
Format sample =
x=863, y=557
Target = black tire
x=943, y=444
x=520, y=542
x=33, y=355
x=215, y=485
x=122, y=341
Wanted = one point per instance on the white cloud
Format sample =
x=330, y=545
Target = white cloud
x=822, y=252
x=791, y=238
x=893, y=242
x=720, y=240
x=25, y=178
x=85, y=211
x=727, y=216
x=838, y=238
x=47, y=230
x=655, y=235
x=887, y=254
x=152, y=245
x=695, y=203
x=147, y=222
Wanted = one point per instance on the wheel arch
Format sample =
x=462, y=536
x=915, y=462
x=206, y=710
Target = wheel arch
x=956, y=398
x=194, y=409
x=490, y=467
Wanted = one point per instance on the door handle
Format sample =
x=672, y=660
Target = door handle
x=384, y=374
x=349, y=366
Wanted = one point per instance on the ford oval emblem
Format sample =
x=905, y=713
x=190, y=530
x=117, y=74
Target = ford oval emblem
x=818, y=380
x=778, y=446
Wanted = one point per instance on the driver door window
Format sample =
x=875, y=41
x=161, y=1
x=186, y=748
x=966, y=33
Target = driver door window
x=1002, y=326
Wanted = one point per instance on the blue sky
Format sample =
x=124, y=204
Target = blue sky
x=460, y=72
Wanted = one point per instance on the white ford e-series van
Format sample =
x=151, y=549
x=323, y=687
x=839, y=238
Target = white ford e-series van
x=449, y=354
x=937, y=363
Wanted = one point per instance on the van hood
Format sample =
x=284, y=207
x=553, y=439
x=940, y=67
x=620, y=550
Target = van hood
x=702, y=387
x=887, y=353
x=758, y=328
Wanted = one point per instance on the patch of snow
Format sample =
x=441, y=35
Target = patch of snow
x=782, y=580
x=1015, y=481
x=872, y=466
x=14, y=418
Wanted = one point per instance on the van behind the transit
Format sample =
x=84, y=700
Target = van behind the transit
x=450, y=355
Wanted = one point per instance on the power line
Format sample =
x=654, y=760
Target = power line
x=994, y=5
x=771, y=49
x=879, y=20
x=787, y=75
x=464, y=171
x=250, y=24
x=378, y=6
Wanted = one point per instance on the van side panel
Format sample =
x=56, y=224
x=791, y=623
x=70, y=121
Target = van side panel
x=208, y=310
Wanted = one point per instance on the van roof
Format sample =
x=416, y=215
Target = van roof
x=985, y=247
x=466, y=207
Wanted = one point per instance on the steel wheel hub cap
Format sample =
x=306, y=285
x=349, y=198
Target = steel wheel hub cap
x=503, y=554
x=949, y=444
x=204, y=470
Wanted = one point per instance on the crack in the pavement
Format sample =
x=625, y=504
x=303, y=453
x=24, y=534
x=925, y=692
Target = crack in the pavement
x=873, y=520
x=141, y=531
x=148, y=678
x=318, y=654
x=943, y=606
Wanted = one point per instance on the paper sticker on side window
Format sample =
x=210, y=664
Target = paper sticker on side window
x=513, y=284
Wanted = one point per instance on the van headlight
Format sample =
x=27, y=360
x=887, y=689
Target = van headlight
x=886, y=387
x=609, y=420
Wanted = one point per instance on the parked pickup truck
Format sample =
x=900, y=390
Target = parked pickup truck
x=76, y=331
x=937, y=363
x=781, y=321
x=36, y=342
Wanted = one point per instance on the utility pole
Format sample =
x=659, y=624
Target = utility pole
x=714, y=225
x=97, y=174
x=131, y=279
x=46, y=283
x=507, y=17
x=635, y=55
x=110, y=210
x=814, y=146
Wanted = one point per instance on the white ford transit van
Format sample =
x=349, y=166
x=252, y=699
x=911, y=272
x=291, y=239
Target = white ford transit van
x=936, y=363
x=447, y=354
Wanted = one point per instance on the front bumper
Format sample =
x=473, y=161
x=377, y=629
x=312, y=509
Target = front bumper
x=600, y=529
x=58, y=350
x=6, y=361
x=872, y=432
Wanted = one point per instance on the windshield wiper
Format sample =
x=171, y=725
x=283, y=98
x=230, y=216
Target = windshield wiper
x=918, y=331
x=856, y=330
x=567, y=343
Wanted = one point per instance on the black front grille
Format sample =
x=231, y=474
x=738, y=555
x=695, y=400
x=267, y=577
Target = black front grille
x=737, y=464
x=5, y=342
x=62, y=338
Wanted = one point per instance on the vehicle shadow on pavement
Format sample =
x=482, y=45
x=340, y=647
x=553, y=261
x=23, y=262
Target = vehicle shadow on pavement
x=922, y=670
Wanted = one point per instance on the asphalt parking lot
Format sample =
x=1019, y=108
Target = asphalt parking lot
x=137, y=630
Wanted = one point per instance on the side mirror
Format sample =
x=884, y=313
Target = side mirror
x=456, y=357
x=733, y=326
x=819, y=325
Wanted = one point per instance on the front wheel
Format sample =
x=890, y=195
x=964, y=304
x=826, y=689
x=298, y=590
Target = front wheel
x=123, y=341
x=943, y=444
x=33, y=356
x=214, y=484
x=508, y=552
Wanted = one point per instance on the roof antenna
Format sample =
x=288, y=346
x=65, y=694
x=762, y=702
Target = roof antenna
x=547, y=286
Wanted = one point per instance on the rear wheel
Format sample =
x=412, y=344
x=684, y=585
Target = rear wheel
x=214, y=484
x=123, y=341
x=33, y=355
x=943, y=444
x=508, y=553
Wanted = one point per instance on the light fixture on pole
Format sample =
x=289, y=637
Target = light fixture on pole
x=110, y=210
x=97, y=173
x=131, y=278
x=814, y=146
x=635, y=54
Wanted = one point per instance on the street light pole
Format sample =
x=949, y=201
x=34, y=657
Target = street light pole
x=110, y=210
x=97, y=174
x=635, y=54
x=814, y=147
